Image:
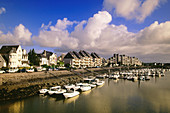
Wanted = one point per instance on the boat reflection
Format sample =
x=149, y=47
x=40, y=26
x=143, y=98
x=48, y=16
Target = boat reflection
x=70, y=100
x=86, y=92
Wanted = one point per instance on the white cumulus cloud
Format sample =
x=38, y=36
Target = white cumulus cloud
x=56, y=36
x=132, y=9
x=20, y=35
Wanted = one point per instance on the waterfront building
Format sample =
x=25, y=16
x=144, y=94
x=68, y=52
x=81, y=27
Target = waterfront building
x=2, y=61
x=61, y=57
x=82, y=59
x=14, y=56
x=25, y=61
x=47, y=58
x=87, y=60
x=72, y=59
x=104, y=62
x=125, y=60
x=96, y=59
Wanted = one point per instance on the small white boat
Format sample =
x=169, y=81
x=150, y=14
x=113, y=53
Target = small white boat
x=129, y=78
x=43, y=91
x=93, y=85
x=77, y=87
x=142, y=78
x=134, y=78
x=100, y=76
x=99, y=83
x=71, y=93
x=116, y=76
x=69, y=86
x=85, y=87
x=110, y=76
x=147, y=77
x=56, y=90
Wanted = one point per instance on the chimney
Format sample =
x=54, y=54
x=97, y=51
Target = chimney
x=44, y=53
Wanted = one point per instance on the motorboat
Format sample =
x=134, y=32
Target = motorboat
x=110, y=76
x=70, y=93
x=93, y=85
x=69, y=86
x=141, y=78
x=147, y=77
x=85, y=87
x=99, y=82
x=116, y=76
x=56, y=90
x=129, y=78
x=134, y=78
x=43, y=91
x=100, y=76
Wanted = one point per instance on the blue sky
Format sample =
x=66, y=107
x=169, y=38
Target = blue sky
x=130, y=33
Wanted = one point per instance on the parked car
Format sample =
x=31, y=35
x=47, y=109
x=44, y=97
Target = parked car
x=44, y=69
x=55, y=69
x=39, y=69
x=2, y=71
x=12, y=70
x=30, y=70
x=49, y=69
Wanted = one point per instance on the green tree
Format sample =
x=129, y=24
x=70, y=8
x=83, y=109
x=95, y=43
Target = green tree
x=33, y=58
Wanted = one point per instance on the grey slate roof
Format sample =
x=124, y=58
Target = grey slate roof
x=95, y=55
x=9, y=48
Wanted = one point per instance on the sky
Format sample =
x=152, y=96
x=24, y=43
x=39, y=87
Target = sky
x=139, y=28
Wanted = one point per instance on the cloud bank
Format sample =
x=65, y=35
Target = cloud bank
x=132, y=9
x=98, y=34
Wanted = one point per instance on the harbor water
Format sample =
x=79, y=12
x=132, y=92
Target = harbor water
x=115, y=96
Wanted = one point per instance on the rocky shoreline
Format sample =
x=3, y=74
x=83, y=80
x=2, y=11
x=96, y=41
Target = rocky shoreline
x=22, y=85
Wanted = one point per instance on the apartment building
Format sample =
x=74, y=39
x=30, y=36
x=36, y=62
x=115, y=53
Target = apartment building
x=72, y=59
x=14, y=56
x=125, y=60
x=82, y=59
x=96, y=59
x=87, y=59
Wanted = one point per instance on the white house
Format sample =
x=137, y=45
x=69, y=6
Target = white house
x=13, y=55
x=48, y=58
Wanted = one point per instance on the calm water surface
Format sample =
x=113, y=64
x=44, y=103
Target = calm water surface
x=119, y=96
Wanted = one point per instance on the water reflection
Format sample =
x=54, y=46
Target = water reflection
x=71, y=100
x=86, y=92
x=16, y=107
